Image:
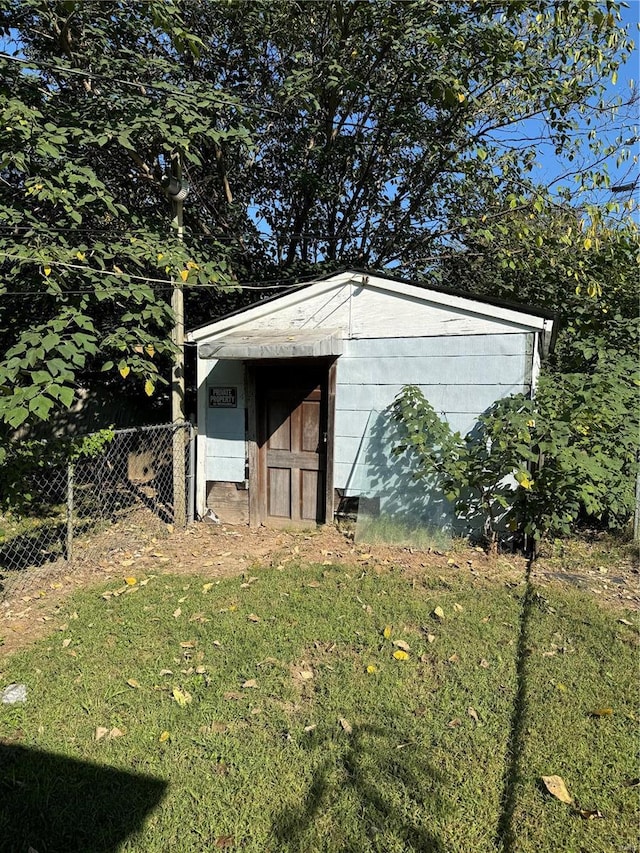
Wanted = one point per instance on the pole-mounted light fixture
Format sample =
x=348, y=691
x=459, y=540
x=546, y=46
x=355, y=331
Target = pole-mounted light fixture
x=176, y=189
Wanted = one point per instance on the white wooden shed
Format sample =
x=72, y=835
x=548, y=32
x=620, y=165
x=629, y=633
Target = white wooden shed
x=287, y=388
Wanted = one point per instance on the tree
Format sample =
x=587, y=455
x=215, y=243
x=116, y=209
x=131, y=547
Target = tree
x=92, y=107
x=382, y=130
x=313, y=135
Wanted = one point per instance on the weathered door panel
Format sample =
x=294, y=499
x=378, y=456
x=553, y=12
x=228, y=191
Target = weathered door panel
x=292, y=420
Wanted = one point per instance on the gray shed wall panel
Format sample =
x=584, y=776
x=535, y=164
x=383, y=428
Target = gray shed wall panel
x=460, y=376
x=225, y=428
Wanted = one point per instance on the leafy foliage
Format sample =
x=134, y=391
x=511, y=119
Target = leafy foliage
x=536, y=466
x=91, y=114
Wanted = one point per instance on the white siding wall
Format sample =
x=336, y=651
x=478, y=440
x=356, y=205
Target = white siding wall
x=461, y=376
x=225, y=449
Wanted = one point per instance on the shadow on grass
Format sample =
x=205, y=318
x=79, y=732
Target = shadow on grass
x=505, y=836
x=55, y=804
x=370, y=793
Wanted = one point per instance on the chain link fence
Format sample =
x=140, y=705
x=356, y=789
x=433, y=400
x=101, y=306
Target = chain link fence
x=80, y=509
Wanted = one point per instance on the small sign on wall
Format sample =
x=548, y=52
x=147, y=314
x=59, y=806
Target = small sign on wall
x=223, y=397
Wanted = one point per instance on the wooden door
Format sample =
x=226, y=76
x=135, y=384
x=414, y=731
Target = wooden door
x=292, y=444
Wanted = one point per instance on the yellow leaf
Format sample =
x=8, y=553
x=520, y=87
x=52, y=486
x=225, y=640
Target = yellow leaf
x=587, y=243
x=400, y=644
x=149, y=388
x=207, y=587
x=150, y=350
x=387, y=632
x=177, y=613
x=556, y=787
x=47, y=271
x=461, y=98
x=130, y=581
x=133, y=683
x=602, y=712
x=371, y=669
x=160, y=256
x=125, y=370
x=164, y=737
x=80, y=256
x=400, y=655
x=439, y=613
x=184, y=274
x=346, y=725
x=182, y=697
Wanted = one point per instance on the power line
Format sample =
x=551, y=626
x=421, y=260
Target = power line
x=266, y=284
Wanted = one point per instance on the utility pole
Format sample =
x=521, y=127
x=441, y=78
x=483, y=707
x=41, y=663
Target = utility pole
x=177, y=193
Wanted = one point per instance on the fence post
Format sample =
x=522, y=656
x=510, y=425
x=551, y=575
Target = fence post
x=636, y=514
x=191, y=507
x=70, y=472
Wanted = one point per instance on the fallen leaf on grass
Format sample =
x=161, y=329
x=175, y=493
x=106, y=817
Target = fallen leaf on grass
x=453, y=724
x=66, y=643
x=133, y=683
x=402, y=645
x=473, y=714
x=188, y=644
x=130, y=581
x=484, y=663
x=314, y=584
x=371, y=669
x=626, y=622
x=601, y=712
x=387, y=632
x=101, y=731
x=250, y=683
x=182, y=697
x=177, y=613
x=166, y=672
x=454, y=658
x=431, y=638
x=439, y=613
x=400, y=655
x=164, y=737
x=252, y=617
x=224, y=841
x=305, y=674
x=458, y=607
x=346, y=725
x=556, y=787
x=232, y=694
x=311, y=728
x=207, y=586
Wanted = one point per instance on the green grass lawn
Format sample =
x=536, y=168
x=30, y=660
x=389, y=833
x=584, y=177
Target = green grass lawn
x=272, y=715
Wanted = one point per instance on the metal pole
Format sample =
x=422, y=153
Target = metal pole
x=177, y=376
x=69, y=554
x=636, y=515
x=191, y=509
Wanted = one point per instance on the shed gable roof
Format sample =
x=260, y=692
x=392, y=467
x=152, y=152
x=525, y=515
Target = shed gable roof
x=298, y=297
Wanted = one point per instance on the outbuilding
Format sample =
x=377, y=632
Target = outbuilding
x=292, y=390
